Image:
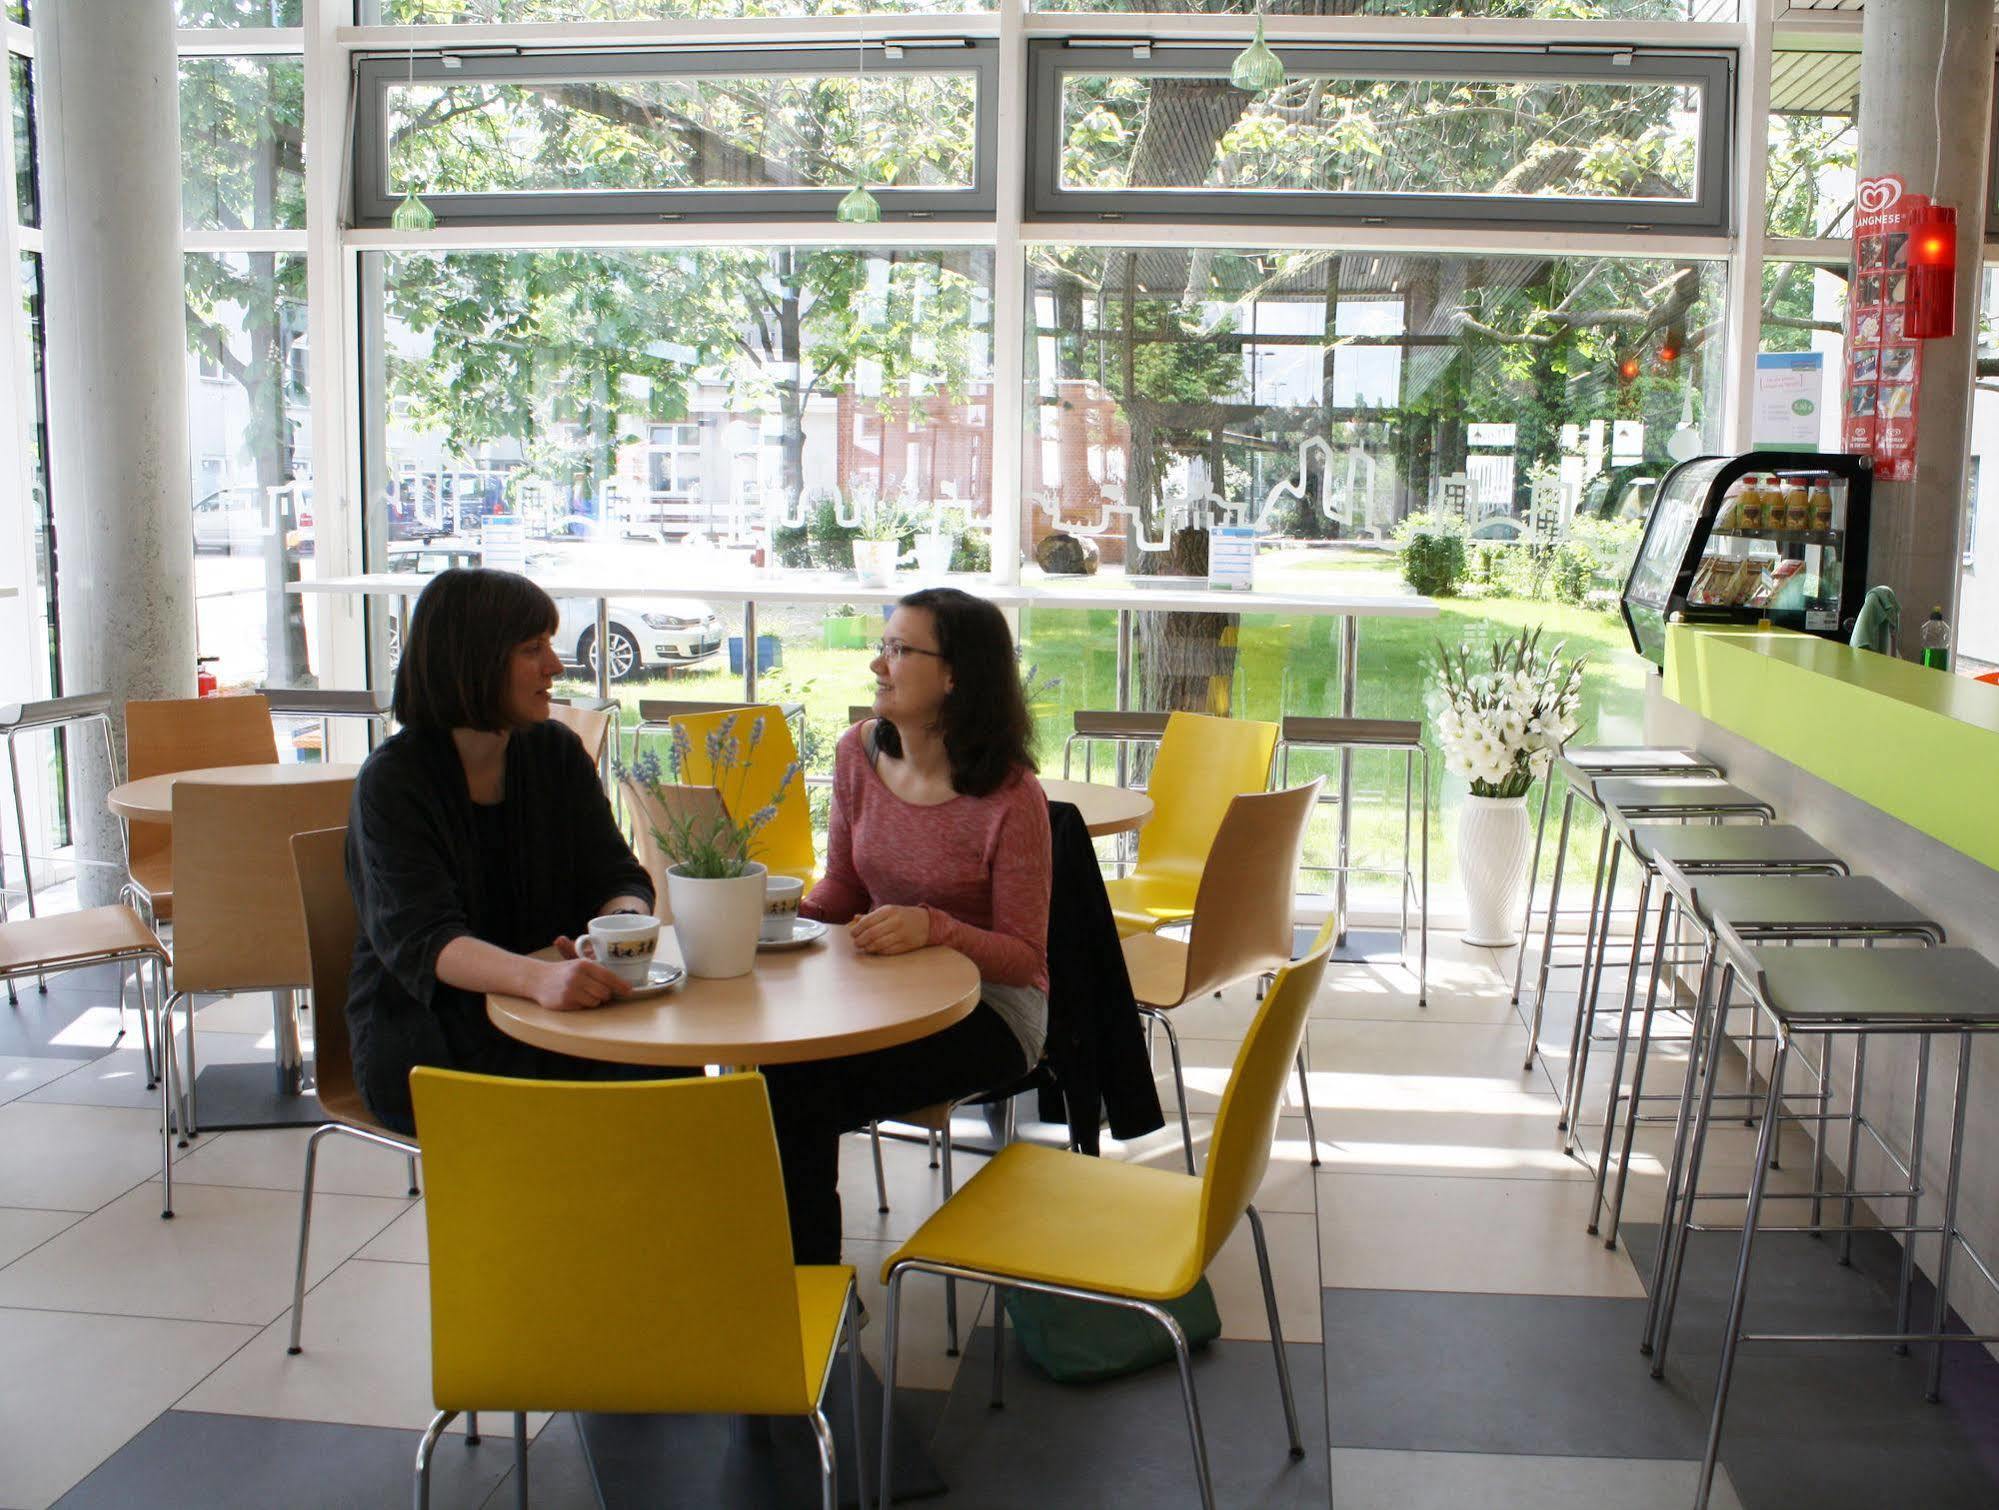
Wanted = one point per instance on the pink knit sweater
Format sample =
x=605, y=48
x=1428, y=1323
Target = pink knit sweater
x=979, y=865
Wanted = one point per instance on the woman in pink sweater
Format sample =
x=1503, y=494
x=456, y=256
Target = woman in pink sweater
x=939, y=835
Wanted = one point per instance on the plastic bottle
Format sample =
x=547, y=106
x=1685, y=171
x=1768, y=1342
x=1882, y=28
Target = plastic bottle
x=1936, y=641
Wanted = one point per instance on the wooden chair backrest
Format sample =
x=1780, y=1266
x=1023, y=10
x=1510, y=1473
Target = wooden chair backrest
x=591, y=725
x=653, y=815
x=238, y=914
x=319, y=859
x=1242, y=911
x=191, y=734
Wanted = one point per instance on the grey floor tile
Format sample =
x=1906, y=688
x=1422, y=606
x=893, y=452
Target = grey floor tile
x=1365, y=1480
x=1122, y=1442
x=189, y=1458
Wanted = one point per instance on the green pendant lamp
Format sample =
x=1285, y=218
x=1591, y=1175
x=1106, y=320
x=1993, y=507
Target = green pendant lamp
x=1256, y=69
x=859, y=207
x=413, y=214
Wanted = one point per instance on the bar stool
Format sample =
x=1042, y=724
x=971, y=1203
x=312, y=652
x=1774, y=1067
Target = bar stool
x=1579, y=767
x=1794, y=909
x=52, y=714
x=1406, y=735
x=1788, y=908
x=1862, y=993
x=324, y=706
x=656, y=716
x=1094, y=726
x=1625, y=801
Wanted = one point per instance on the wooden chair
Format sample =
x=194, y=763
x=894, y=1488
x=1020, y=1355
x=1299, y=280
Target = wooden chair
x=319, y=860
x=239, y=923
x=652, y=816
x=184, y=734
x=588, y=722
x=1241, y=924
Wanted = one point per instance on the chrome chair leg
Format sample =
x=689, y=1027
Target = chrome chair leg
x=520, y=1460
x=1548, y=933
x=829, y=1466
x=881, y=1179
x=1179, y=1082
x=1423, y=893
x=888, y=1387
x=1905, y=1289
x=1666, y=905
x=1690, y=1186
x=1165, y=1319
x=305, y=1230
x=169, y=1099
x=1950, y=1193
x=1613, y=1096
x=1766, y=1140
x=1533, y=870
x=1676, y=1161
x=472, y=1437
x=415, y=1189
x=424, y=1450
x=950, y=1284
x=1586, y=1000
x=852, y=1326
x=145, y=1026
x=1305, y=1094
x=998, y=1400
x=1276, y=1331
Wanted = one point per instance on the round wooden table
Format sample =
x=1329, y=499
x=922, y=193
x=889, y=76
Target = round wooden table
x=1105, y=809
x=150, y=799
x=823, y=1001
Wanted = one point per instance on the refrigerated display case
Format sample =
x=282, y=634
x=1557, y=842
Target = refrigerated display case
x=1768, y=535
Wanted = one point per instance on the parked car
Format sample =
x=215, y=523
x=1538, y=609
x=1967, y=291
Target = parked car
x=642, y=633
x=231, y=519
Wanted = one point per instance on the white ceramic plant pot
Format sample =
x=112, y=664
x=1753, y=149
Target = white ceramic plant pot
x=933, y=555
x=1492, y=862
x=874, y=561
x=716, y=922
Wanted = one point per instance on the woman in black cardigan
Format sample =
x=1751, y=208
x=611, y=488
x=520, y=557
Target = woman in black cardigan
x=478, y=835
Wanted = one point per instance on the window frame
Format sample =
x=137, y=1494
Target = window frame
x=376, y=73
x=1709, y=212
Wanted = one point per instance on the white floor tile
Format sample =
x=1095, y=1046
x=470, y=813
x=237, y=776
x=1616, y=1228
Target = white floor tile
x=274, y=1159
x=1509, y=1237
x=366, y=1358
x=1370, y=1480
x=23, y=1229
x=227, y=1255
x=404, y=1241
x=19, y=1075
x=74, y=1158
x=74, y=1388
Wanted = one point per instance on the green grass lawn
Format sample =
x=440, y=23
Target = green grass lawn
x=1284, y=664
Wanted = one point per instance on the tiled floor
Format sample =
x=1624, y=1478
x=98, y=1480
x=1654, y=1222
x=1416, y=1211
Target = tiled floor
x=1457, y=1339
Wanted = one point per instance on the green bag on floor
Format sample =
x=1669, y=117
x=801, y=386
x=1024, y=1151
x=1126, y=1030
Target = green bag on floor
x=1081, y=1341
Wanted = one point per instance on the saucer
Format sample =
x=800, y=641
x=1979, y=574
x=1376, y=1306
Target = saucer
x=660, y=978
x=804, y=931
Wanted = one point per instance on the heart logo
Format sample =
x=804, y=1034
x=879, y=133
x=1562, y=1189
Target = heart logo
x=1879, y=194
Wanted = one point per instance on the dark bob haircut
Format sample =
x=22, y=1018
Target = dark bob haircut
x=987, y=733
x=456, y=647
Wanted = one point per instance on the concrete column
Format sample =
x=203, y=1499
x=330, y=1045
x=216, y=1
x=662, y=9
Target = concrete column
x=117, y=345
x=1925, y=111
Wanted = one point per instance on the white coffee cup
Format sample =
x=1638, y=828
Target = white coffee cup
x=623, y=943
x=782, y=895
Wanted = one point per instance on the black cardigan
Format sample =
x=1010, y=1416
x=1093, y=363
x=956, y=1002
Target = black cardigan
x=412, y=864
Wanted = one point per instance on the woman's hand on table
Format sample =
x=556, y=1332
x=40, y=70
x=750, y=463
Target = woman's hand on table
x=891, y=930
x=574, y=984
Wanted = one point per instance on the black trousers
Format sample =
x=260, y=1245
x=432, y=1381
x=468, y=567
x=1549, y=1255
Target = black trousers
x=813, y=1104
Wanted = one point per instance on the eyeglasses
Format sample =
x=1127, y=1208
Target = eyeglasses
x=895, y=650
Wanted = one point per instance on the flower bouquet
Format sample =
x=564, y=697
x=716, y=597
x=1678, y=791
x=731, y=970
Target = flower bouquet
x=1501, y=717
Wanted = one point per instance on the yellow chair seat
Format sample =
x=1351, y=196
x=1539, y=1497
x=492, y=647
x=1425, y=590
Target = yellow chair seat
x=1141, y=903
x=1067, y=1219
x=822, y=1304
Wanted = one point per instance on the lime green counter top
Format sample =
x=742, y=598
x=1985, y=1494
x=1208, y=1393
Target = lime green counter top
x=1921, y=745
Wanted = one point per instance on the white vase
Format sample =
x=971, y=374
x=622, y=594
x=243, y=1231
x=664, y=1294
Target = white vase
x=716, y=922
x=1492, y=862
x=933, y=556
x=874, y=561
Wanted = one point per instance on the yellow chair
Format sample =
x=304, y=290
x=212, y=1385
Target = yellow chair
x=1128, y=1235
x=1241, y=926
x=574, y=1267
x=785, y=845
x=1202, y=765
